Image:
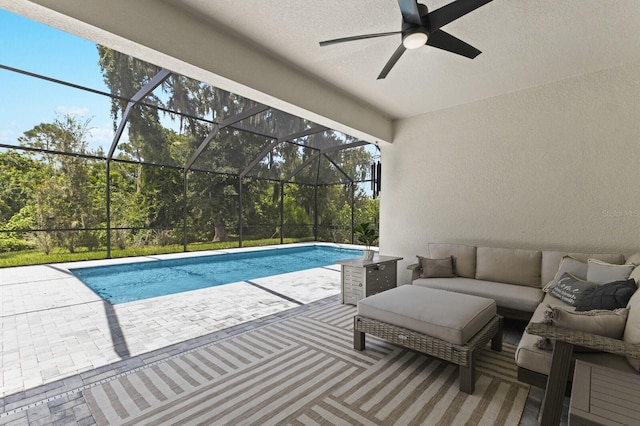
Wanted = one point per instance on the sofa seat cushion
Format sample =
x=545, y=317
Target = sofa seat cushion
x=448, y=316
x=528, y=356
x=520, y=298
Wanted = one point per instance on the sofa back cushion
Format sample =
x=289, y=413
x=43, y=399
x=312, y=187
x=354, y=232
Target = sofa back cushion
x=464, y=257
x=512, y=266
x=635, y=275
x=551, y=261
x=634, y=259
x=632, y=328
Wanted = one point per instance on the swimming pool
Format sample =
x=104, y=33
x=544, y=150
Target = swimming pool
x=142, y=280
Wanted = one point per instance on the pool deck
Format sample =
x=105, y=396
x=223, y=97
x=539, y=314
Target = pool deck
x=53, y=327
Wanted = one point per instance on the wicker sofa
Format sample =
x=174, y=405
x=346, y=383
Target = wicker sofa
x=515, y=278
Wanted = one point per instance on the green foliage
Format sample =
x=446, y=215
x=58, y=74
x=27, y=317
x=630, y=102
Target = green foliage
x=19, y=174
x=17, y=240
x=366, y=233
x=33, y=257
x=11, y=243
x=63, y=198
x=45, y=242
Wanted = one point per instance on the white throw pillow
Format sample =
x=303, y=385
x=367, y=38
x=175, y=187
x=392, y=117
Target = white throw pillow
x=600, y=272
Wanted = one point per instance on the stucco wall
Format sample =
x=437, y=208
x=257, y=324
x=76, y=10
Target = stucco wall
x=555, y=166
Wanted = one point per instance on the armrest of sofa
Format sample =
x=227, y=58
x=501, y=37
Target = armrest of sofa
x=561, y=361
x=415, y=271
x=580, y=338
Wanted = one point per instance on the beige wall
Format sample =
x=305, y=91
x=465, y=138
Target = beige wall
x=555, y=166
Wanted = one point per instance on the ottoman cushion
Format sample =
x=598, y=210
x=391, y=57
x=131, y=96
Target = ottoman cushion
x=445, y=315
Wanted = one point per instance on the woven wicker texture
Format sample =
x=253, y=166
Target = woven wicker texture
x=593, y=341
x=457, y=354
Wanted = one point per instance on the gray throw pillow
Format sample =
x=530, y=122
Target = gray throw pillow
x=436, y=268
x=571, y=289
x=608, y=296
x=571, y=265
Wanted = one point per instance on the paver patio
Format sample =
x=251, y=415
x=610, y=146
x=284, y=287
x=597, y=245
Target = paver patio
x=52, y=326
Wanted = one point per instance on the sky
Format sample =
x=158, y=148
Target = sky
x=26, y=102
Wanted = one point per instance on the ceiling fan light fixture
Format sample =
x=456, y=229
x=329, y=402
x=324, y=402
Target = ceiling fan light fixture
x=420, y=27
x=415, y=39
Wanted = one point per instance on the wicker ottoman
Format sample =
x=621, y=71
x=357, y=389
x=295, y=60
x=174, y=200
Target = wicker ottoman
x=447, y=325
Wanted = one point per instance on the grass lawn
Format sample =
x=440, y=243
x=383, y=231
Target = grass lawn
x=35, y=257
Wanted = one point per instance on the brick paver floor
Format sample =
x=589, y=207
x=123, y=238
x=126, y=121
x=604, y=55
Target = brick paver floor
x=53, y=327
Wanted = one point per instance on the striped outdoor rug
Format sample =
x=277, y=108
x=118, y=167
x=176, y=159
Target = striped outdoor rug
x=304, y=371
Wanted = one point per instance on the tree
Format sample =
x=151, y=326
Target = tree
x=213, y=197
x=213, y=201
x=65, y=200
x=158, y=190
x=19, y=174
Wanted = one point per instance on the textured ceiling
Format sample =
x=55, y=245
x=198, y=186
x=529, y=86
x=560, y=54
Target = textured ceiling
x=525, y=43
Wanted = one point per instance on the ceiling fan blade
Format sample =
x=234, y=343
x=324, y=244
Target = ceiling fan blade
x=441, y=17
x=392, y=61
x=446, y=41
x=359, y=37
x=410, y=12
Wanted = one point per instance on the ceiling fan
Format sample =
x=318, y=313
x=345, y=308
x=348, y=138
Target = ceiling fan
x=420, y=27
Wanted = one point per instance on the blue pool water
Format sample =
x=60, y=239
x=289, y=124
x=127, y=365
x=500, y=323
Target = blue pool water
x=142, y=280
